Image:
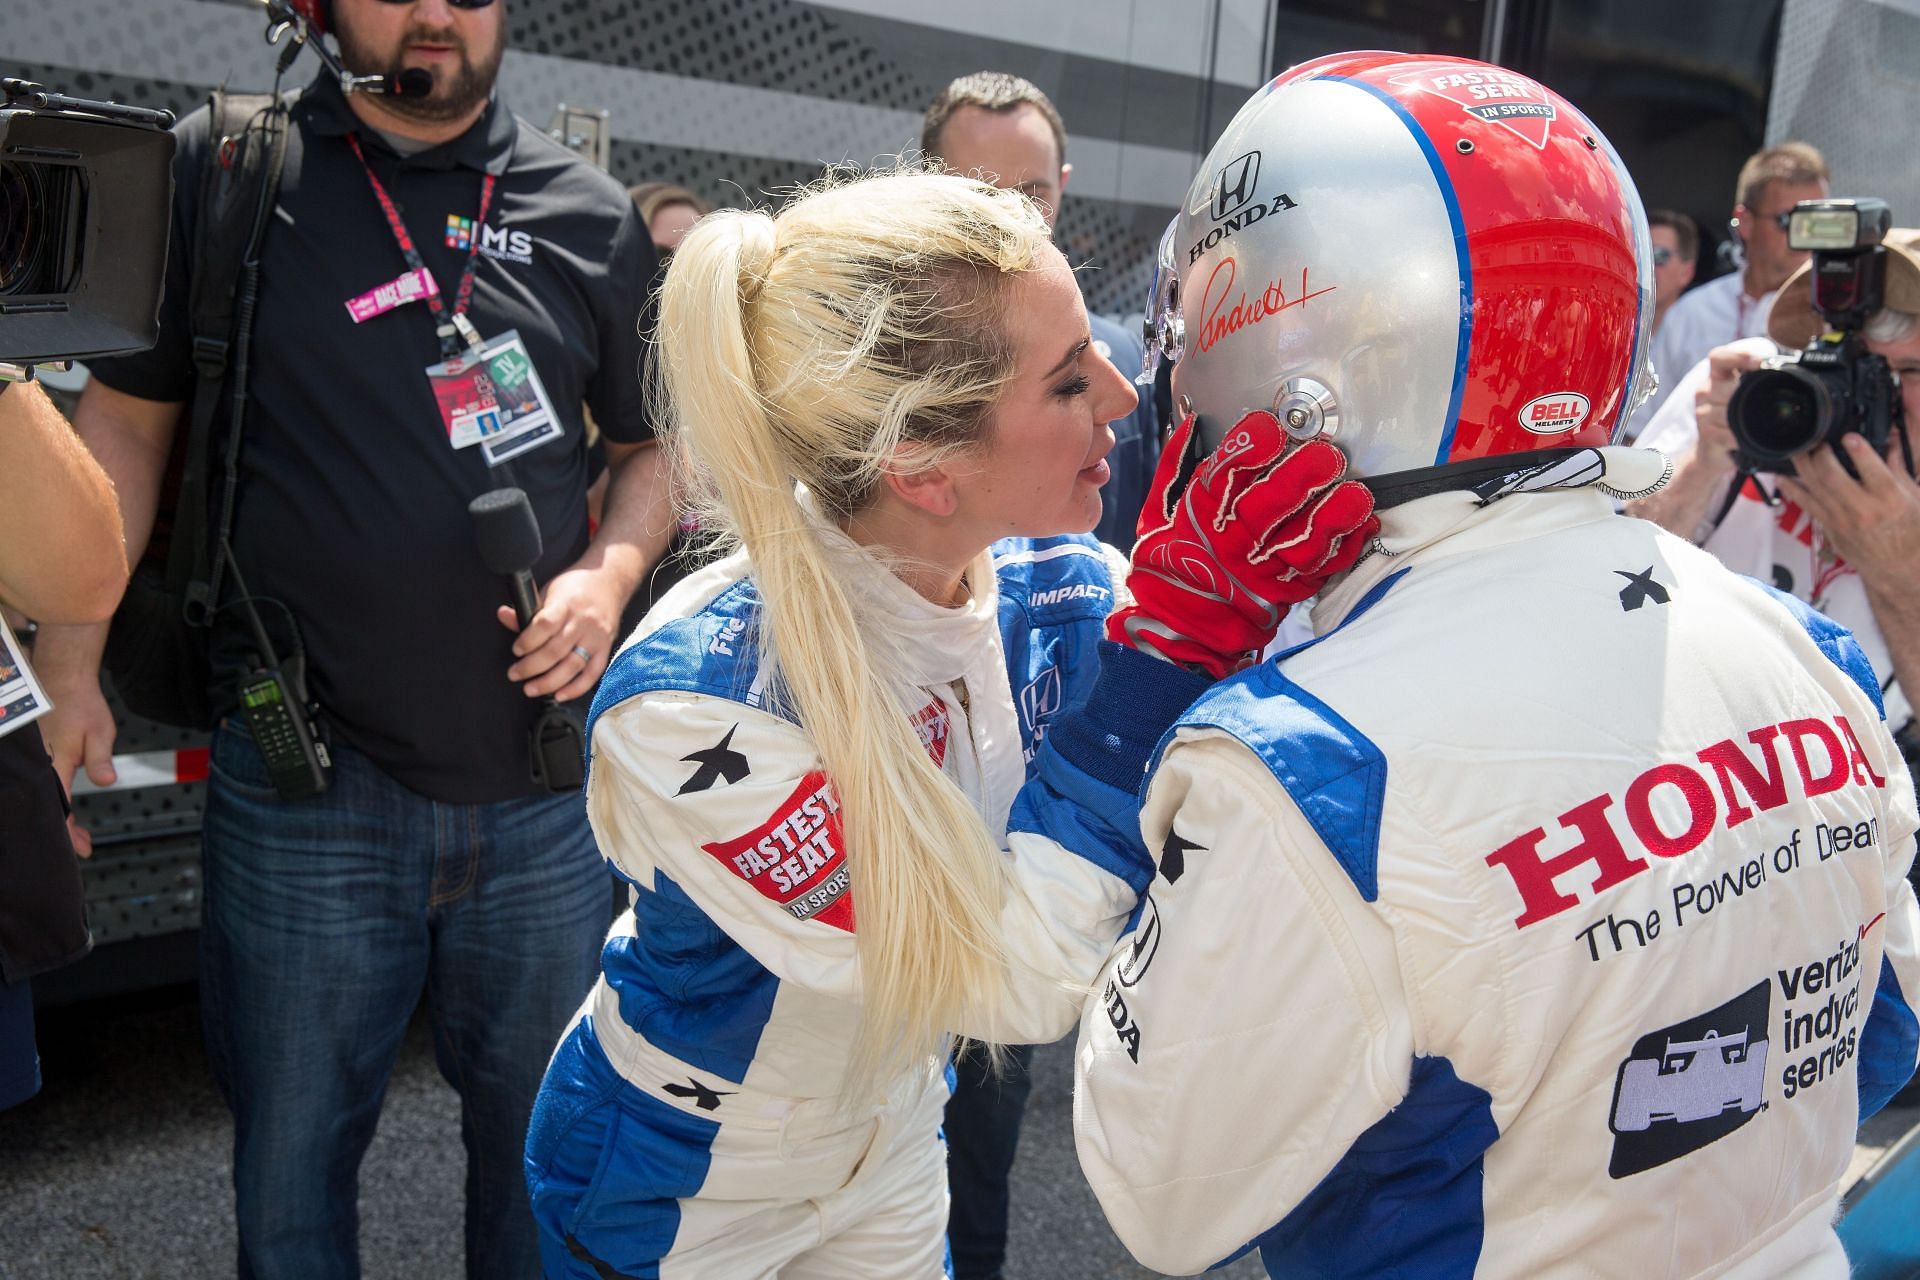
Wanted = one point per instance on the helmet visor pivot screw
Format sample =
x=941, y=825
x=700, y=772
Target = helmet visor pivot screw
x=1306, y=409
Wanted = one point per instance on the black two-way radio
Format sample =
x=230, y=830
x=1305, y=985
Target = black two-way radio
x=279, y=714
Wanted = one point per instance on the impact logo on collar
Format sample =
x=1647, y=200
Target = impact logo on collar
x=1072, y=591
x=503, y=244
x=1496, y=96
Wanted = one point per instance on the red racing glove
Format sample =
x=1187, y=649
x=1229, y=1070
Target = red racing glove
x=1222, y=555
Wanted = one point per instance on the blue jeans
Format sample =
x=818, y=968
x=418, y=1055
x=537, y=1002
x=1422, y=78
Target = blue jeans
x=983, y=1133
x=19, y=1059
x=325, y=920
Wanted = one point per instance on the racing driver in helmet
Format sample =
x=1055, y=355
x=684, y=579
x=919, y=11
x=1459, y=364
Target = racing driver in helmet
x=1547, y=912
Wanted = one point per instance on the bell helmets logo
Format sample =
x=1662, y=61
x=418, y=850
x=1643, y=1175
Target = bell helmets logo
x=1496, y=96
x=1549, y=415
x=1235, y=184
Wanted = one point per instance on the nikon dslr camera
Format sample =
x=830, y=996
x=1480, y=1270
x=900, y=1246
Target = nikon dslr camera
x=85, y=198
x=1799, y=400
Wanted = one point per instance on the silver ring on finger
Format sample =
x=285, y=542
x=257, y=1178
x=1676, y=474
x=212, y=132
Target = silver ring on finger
x=586, y=655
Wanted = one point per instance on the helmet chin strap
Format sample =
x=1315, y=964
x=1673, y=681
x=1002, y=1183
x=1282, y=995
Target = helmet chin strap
x=1474, y=476
x=1619, y=471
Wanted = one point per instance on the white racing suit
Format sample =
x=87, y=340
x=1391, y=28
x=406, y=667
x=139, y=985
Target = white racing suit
x=692, y=1122
x=1546, y=916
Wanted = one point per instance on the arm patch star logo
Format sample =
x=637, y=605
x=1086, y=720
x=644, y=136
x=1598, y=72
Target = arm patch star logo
x=716, y=762
x=1640, y=588
x=704, y=1098
x=1173, y=855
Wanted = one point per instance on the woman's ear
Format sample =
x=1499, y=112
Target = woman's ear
x=928, y=488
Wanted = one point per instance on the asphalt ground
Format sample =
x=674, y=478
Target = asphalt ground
x=119, y=1168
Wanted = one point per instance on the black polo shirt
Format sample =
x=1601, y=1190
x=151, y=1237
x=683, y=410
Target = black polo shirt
x=352, y=506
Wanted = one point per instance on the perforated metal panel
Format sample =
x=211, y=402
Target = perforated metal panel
x=1847, y=79
x=740, y=99
x=770, y=44
x=144, y=876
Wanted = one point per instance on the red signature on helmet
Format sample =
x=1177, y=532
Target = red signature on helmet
x=1219, y=320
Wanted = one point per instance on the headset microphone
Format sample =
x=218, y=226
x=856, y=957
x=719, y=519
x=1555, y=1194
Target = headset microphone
x=307, y=21
x=410, y=82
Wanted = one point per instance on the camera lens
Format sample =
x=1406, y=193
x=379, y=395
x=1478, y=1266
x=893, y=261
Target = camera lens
x=1778, y=413
x=24, y=247
x=17, y=229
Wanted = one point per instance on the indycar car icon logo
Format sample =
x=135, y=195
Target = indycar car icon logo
x=1684, y=1086
x=1692, y=1080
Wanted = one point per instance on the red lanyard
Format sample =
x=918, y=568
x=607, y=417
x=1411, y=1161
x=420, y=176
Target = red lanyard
x=454, y=327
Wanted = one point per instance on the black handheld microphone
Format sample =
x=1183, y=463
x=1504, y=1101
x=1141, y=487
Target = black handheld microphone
x=510, y=544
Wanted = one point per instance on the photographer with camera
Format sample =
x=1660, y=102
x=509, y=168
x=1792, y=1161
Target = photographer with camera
x=1844, y=533
x=61, y=560
x=441, y=288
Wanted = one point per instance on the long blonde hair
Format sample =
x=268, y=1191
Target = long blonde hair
x=810, y=347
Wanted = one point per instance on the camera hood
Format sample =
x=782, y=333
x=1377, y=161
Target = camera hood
x=83, y=255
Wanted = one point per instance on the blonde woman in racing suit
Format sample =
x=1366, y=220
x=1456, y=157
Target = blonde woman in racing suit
x=843, y=770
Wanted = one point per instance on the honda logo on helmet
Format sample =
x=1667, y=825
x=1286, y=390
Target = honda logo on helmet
x=1236, y=184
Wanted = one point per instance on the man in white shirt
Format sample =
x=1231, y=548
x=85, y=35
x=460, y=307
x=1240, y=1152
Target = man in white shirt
x=1735, y=305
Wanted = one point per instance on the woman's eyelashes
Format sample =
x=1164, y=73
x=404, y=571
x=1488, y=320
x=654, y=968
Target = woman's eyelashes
x=1074, y=387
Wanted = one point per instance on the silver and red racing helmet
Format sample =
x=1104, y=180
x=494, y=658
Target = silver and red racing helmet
x=1428, y=261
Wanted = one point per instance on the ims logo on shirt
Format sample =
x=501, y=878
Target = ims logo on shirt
x=502, y=243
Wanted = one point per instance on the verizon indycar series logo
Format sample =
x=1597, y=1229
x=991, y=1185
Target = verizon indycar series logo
x=1690, y=1084
x=797, y=857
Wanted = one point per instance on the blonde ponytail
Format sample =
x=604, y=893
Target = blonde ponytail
x=807, y=350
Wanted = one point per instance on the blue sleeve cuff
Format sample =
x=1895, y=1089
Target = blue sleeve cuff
x=1136, y=699
x=1889, y=1044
